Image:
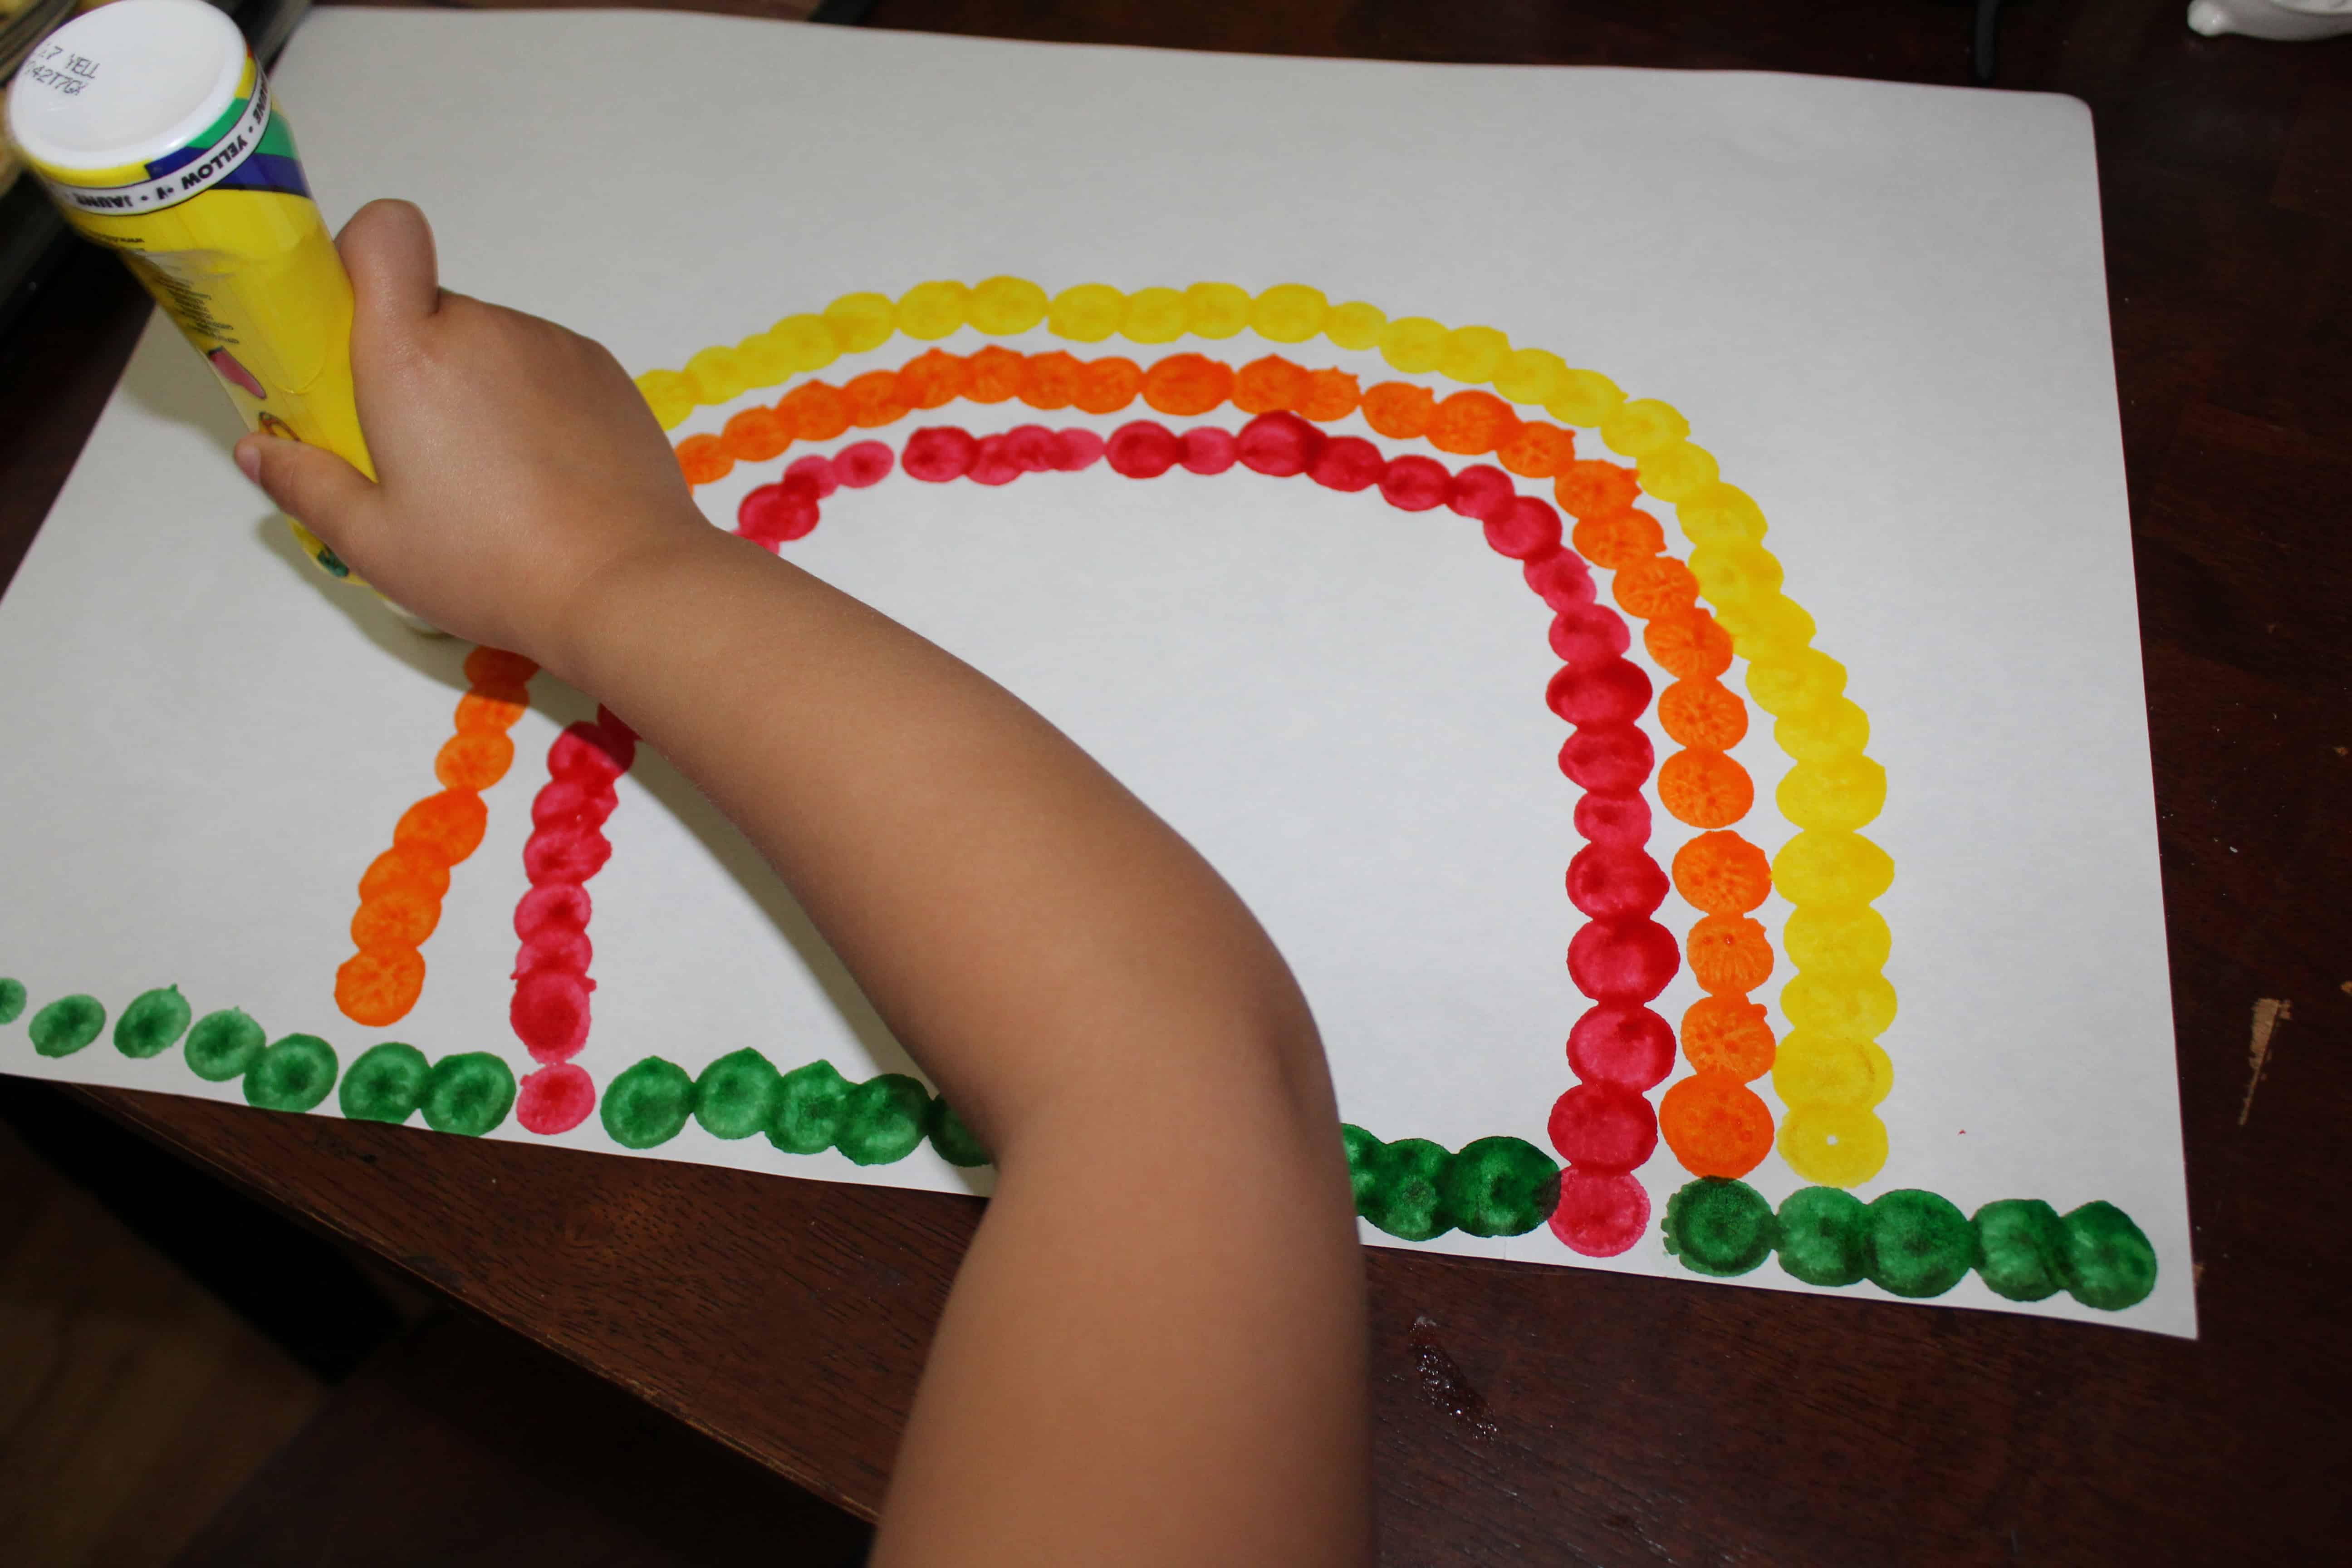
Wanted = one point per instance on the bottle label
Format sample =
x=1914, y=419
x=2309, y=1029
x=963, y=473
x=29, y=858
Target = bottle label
x=211, y=160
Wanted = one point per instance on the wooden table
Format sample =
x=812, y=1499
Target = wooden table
x=1639, y=1420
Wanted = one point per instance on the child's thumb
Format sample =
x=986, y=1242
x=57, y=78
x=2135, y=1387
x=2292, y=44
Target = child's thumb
x=330, y=497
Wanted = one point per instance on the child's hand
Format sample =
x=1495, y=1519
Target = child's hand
x=517, y=465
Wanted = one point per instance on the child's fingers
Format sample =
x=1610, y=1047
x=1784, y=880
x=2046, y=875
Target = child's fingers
x=334, y=499
x=387, y=248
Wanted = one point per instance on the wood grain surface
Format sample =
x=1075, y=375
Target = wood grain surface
x=1638, y=1421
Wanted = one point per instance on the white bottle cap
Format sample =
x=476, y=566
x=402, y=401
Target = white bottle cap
x=125, y=84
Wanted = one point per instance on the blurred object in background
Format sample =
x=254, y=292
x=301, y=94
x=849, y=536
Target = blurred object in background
x=2288, y=21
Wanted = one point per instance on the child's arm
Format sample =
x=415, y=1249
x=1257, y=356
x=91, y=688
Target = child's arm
x=1155, y=1352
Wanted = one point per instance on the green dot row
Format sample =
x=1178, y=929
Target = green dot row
x=1913, y=1243
x=804, y=1111
x=1416, y=1190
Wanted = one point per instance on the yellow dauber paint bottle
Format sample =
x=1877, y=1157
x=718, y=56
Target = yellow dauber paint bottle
x=153, y=128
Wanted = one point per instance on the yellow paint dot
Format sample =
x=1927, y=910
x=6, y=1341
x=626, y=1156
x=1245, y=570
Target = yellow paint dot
x=1531, y=377
x=1087, y=314
x=1720, y=514
x=1812, y=1069
x=764, y=360
x=1356, y=325
x=670, y=395
x=1834, y=1145
x=806, y=341
x=1414, y=344
x=1153, y=316
x=717, y=376
x=1844, y=1006
x=932, y=310
x=1216, y=310
x=1767, y=628
x=1838, y=728
x=1642, y=426
x=1838, y=869
x=1680, y=471
x=1837, y=939
x=1842, y=793
x=862, y=321
x=1472, y=355
x=1735, y=576
x=1783, y=688
x=1001, y=307
x=1585, y=397
x=1289, y=313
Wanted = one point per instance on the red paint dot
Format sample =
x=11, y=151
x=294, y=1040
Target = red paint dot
x=1599, y=692
x=994, y=464
x=1618, y=817
x=554, y=947
x=1558, y=577
x=565, y=855
x=1034, y=447
x=1603, y=1127
x=1589, y=633
x=549, y=1013
x=1481, y=492
x=1611, y=758
x=1210, y=450
x=935, y=456
x=1612, y=882
x=1347, y=463
x=1599, y=1215
x=1622, y=962
x=1075, y=448
x=1621, y=1045
x=866, y=463
x=1142, y=451
x=587, y=753
x=1415, y=483
x=817, y=472
x=1280, y=443
x=557, y=905
x=572, y=803
x=771, y=515
x=1525, y=529
x=555, y=1099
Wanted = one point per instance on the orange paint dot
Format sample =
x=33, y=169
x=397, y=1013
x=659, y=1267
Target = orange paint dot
x=1330, y=395
x=1729, y=1035
x=1050, y=381
x=473, y=762
x=1594, y=489
x=993, y=375
x=755, y=435
x=1398, y=410
x=448, y=827
x=1730, y=954
x=399, y=917
x=491, y=712
x=1705, y=789
x=1722, y=874
x=1187, y=384
x=1107, y=385
x=378, y=986
x=1263, y=386
x=1658, y=586
x=1703, y=712
x=399, y=867
x=1690, y=646
x=1539, y=451
x=933, y=380
x=1618, y=538
x=702, y=459
x=1716, y=1125
x=1469, y=423
x=875, y=400
x=815, y=410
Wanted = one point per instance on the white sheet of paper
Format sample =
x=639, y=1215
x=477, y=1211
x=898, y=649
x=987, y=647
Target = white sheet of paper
x=1881, y=307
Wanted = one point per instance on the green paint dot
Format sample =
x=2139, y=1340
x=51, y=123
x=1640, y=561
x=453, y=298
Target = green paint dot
x=648, y=1104
x=154, y=1023
x=469, y=1093
x=331, y=562
x=736, y=1095
x=1719, y=1227
x=2021, y=1249
x=1823, y=1233
x=808, y=1108
x=1498, y=1186
x=223, y=1045
x=2110, y=1263
x=67, y=1024
x=1405, y=1200
x=11, y=1000
x=291, y=1074
x=955, y=1141
x=1920, y=1244
x=882, y=1120
x=1364, y=1152
x=386, y=1084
